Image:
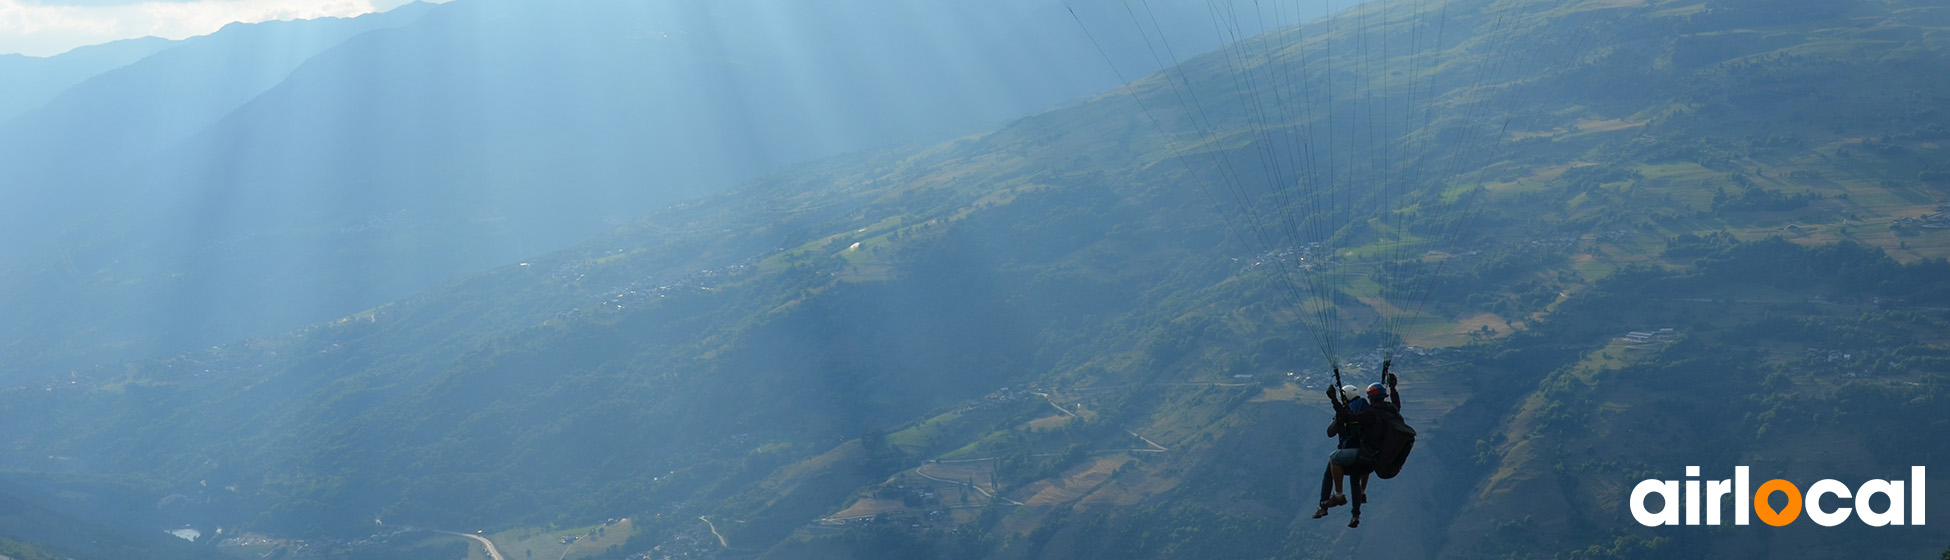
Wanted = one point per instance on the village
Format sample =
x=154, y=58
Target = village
x=1938, y=220
x=1644, y=337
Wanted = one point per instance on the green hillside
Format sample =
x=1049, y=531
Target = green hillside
x=32, y=532
x=1045, y=341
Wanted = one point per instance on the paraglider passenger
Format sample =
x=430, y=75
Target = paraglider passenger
x=1349, y=410
x=1361, y=423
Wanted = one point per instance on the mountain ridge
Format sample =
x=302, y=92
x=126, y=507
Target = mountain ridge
x=269, y=215
x=32, y=81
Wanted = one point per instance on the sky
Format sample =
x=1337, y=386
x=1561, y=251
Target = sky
x=50, y=27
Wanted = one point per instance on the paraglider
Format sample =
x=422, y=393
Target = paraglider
x=1325, y=161
x=1374, y=440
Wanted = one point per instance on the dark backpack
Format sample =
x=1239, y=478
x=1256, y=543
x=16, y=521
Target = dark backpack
x=1387, y=440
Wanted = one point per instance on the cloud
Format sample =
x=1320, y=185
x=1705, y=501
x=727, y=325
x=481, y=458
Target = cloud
x=92, y=2
x=47, y=27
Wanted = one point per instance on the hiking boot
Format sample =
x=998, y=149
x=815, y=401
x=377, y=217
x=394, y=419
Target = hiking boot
x=1337, y=501
x=1322, y=512
x=1356, y=522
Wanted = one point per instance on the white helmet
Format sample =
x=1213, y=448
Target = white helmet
x=1349, y=392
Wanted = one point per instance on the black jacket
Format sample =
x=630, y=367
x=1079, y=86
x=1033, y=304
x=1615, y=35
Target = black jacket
x=1378, y=419
x=1343, y=416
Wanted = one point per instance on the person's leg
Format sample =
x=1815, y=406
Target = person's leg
x=1359, y=486
x=1327, y=482
x=1336, y=473
x=1342, y=464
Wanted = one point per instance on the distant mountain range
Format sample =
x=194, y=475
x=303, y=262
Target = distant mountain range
x=277, y=174
x=31, y=82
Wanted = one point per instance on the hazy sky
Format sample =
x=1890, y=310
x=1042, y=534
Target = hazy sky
x=49, y=27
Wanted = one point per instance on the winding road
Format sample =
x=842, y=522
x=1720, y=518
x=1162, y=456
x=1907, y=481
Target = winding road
x=1155, y=448
x=714, y=531
x=991, y=495
x=492, y=553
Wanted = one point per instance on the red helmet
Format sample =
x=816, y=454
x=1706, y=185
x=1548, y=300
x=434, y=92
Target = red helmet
x=1376, y=392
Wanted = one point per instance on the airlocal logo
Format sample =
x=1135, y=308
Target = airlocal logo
x=1716, y=489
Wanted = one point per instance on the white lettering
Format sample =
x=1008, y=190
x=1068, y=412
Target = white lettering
x=1668, y=489
x=1715, y=490
x=1916, y=490
x=1826, y=518
x=1891, y=516
x=1906, y=500
x=1692, y=502
x=1742, y=495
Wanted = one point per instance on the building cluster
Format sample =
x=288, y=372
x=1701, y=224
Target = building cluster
x=1367, y=364
x=572, y=271
x=327, y=548
x=1002, y=396
x=1857, y=362
x=1547, y=243
x=1830, y=356
x=1939, y=220
x=248, y=540
x=1304, y=256
x=1661, y=335
x=650, y=287
x=692, y=544
x=915, y=521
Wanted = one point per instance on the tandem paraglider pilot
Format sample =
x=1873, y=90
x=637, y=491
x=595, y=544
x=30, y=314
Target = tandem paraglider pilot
x=1374, y=439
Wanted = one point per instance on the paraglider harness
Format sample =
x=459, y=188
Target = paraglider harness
x=1386, y=437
